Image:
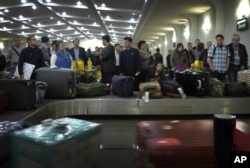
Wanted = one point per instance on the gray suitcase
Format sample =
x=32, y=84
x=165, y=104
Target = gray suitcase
x=61, y=82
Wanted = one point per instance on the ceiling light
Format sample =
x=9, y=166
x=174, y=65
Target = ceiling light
x=49, y=7
x=89, y=16
x=20, y=17
x=94, y=24
x=59, y=22
x=81, y=35
x=11, y=22
x=34, y=7
x=48, y=1
x=130, y=27
x=69, y=28
x=51, y=18
x=78, y=3
x=75, y=22
x=1, y=19
x=64, y=13
x=103, y=5
x=49, y=35
x=51, y=29
x=38, y=24
x=23, y=1
x=60, y=34
x=102, y=33
x=6, y=10
x=23, y=26
x=110, y=25
x=108, y=17
x=99, y=12
x=75, y=32
x=132, y=19
x=87, y=32
x=4, y=28
x=29, y=20
x=82, y=28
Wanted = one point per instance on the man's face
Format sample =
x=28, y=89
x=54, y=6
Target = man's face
x=220, y=41
x=104, y=42
x=76, y=43
x=33, y=41
x=209, y=44
x=235, y=41
x=118, y=48
x=17, y=42
x=127, y=44
x=190, y=46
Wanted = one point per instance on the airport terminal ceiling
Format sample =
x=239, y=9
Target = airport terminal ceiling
x=88, y=19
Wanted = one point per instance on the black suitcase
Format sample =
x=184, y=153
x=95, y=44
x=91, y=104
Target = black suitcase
x=61, y=82
x=195, y=83
x=22, y=93
x=122, y=86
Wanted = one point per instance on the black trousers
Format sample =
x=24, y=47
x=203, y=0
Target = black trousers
x=107, y=77
x=219, y=76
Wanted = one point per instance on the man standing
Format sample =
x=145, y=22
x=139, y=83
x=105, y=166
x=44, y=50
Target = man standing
x=158, y=56
x=218, y=59
x=107, y=60
x=45, y=50
x=117, y=58
x=130, y=61
x=78, y=52
x=13, y=55
x=238, y=59
x=189, y=53
x=31, y=54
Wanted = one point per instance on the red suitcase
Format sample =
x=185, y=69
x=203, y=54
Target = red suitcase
x=177, y=144
x=4, y=100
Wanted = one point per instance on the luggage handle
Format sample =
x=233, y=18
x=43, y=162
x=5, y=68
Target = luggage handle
x=199, y=84
x=124, y=147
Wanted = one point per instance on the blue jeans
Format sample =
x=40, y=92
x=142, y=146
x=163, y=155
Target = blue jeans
x=12, y=70
x=232, y=73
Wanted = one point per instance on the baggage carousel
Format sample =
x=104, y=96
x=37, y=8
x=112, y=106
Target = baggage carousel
x=135, y=107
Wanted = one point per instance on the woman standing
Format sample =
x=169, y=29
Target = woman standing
x=179, y=59
x=61, y=59
x=144, y=60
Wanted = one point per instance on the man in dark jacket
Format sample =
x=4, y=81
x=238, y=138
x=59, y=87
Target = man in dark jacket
x=130, y=61
x=107, y=60
x=238, y=59
x=32, y=55
x=78, y=52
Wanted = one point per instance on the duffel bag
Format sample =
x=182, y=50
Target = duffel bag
x=170, y=88
x=91, y=89
x=154, y=89
x=216, y=88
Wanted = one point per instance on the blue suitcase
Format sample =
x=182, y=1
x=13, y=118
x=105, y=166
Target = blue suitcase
x=122, y=86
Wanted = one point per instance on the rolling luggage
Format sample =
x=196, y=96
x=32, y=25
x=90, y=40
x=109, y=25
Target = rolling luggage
x=216, y=88
x=4, y=100
x=91, y=89
x=244, y=76
x=64, y=143
x=22, y=93
x=6, y=128
x=195, y=83
x=154, y=89
x=122, y=86
x=61, y=82
x=174, y=144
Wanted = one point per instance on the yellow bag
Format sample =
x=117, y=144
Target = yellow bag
x=80, y=64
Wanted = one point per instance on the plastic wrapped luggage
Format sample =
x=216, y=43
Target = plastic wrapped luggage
x=4, y=100
x=40, y=91
x=172, y=144
x=122, y=86
x=244, y=76
x=22, y=93
x=6, y=128
x=216, y=88
x=64, y=143
x=91, y=89
x=195, y=83
x=154, y=89
x=61, y=82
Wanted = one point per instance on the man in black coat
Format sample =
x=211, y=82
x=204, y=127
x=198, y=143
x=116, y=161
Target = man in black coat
x=130, y=61
x=238, y=59
x=78, y=52
x=32, y=55
x=107, y=60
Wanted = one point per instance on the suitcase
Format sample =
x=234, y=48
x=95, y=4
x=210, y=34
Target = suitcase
x=122, y=86
x=6, y=128
x=174, y=144
x=40, y=91
x=91, y=89
x=170, y=88
x=237, y=89
x=64, y=143
x=195, y=83
x=4, y=100
x=244, y=76
x=22, y=93
x=216, y=88
x=61, y=82
x=154, y=89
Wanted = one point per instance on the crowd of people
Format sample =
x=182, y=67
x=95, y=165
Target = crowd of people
x=220, y=59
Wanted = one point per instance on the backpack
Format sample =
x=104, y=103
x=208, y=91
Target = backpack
x=215, y=50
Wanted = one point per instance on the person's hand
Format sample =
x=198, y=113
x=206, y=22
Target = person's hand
x=21, y=76
x=212, y=69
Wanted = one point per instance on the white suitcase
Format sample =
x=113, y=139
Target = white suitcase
x=244, y=76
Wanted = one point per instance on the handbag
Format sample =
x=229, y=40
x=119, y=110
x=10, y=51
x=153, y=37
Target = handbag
x=27, y=70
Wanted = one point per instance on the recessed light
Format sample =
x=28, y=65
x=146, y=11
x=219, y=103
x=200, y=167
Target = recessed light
x=75, y=22
x=23, y=1
x=132, y=19
x=108, y=17
x=59, y=22
x=48, y=1
x=11, y=22
x=1, y=19
x=34, y=7
x=20, y=17
x=4, y=28
x=103, y=5
x=88, y=15
x=51, y=18
x=94, y=24
x=6, y=10
x=64, y=13
x=78, y=3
